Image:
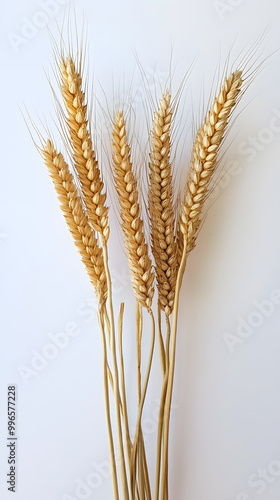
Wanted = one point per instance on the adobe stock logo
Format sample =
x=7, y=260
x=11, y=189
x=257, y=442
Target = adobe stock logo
x=58, y=341
x=3, y=237
x=248, y=150
x=259, y=481
x=223, y=7
x=31, y=27
x=246, y=326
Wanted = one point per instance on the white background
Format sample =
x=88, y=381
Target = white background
x=225, y=425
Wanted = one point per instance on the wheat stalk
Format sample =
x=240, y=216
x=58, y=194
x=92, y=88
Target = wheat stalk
x=76, y=219
x=85, y=161
x=116, y=387
x=107, y=406
x=142, y=278
x=204, y=158
x=203, y=165
x=140, y=264
x=164, y=247
x=161, y=206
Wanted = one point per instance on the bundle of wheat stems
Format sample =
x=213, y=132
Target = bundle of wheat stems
x=82, y=196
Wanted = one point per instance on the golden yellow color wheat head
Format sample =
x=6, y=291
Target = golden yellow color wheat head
x=84, y=156
x=161, y=209
x=140, y=264
x=204, y=158
x=76, y=219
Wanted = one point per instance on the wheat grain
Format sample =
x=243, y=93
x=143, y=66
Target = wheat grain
x=76, y=219
x=204, y=158
x=140, y=265
x=84, y=156
x=161, y=205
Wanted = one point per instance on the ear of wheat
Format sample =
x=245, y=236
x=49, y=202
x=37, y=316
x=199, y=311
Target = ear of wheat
x=85, y=161
x=204, y=157
x=140, y=264
x=161, y=206
x=76, y=219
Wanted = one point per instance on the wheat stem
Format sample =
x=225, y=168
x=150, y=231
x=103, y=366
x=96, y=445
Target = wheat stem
x=159, y=435
x=138, y=368
x=162, y=404
x=160, y=340
x=169, y=388
x=167, y=343
x=107, y=407
x=144, y=483
x=140, y=468
x=116, y=375
x=138, y=348
x=146, y=477
x=122, y=384
x=143, y=395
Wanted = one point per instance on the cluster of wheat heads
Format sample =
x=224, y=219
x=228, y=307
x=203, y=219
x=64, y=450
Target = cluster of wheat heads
x=159, y=265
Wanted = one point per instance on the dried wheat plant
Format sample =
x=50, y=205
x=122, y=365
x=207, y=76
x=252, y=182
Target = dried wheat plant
x=76, y=219
x=161, y=206
x=82, y=196
x=202, y=167
x=140, y=265
x=204, y=157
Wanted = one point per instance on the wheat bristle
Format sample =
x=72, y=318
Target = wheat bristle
x=204, y=159
x=76, y=219
x=161, y=205
x=140, y=264
x=85, y=161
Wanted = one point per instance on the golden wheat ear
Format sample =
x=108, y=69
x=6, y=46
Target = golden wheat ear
x=140, y=264
x=76, y=219
x=85, y=162
x=161, y=211
x=204, y=160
